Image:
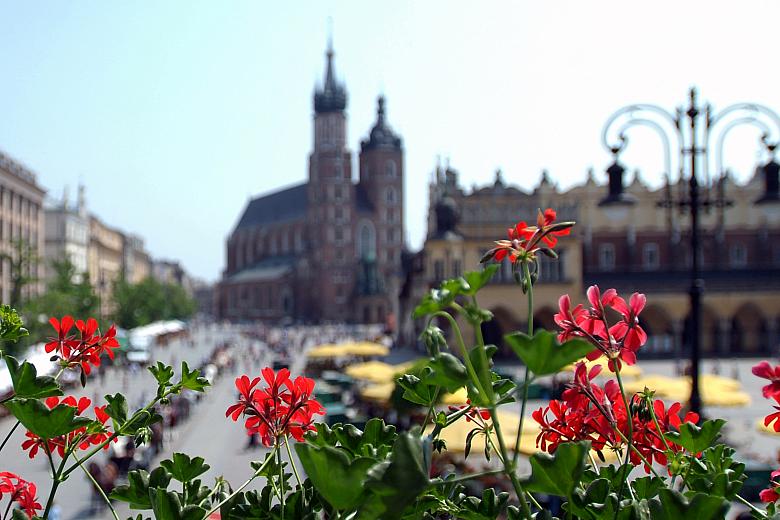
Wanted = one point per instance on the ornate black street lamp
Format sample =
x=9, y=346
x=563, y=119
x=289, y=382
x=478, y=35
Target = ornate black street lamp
x=692, y=130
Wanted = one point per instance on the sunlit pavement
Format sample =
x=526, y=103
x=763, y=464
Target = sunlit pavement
x=223, y=443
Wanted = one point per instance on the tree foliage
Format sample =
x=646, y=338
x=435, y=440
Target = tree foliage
x=148, y=301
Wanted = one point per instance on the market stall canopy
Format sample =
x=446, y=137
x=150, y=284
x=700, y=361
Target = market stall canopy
x=715, y=390
x=378, y=393
x=376, y=371
x=356, y=349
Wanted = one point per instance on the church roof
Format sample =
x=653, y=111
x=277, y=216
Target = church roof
x=281, y=206
x=268, y=269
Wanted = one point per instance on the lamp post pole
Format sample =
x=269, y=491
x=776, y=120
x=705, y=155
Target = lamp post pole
x=693, y=202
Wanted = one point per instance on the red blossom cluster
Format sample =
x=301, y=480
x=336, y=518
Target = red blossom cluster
x=771, y=391
x=81, y=438
x=525, y=241
x=85, y=346
x=283, y=407
x=20, y=491
x=590, y=412
x=620, y=341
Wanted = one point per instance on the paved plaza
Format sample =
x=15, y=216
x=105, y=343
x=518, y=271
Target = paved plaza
x=223, y=443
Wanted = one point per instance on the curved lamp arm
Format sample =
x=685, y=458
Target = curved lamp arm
x=747, y=120
x=638, y=115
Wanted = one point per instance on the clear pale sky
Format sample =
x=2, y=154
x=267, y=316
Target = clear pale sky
x=173, y=114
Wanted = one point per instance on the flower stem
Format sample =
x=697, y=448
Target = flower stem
x=100, y=490
x=465, y=478
x=430, y=410
x=509, y=470
x=241, y=488
x=292, y=461
x=282, y=491
x=630, y=436
x=464, y=351
x=57, y=478
x=7, y=437
x=530, y=293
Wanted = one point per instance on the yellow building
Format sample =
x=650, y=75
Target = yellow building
x=639, y=247
x=105, y=261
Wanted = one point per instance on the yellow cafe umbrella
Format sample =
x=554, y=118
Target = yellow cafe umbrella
x=379, y=393
x=460, y=396
x=365, y=348
x=372, y=371
x=715, y=390
x=325, y=351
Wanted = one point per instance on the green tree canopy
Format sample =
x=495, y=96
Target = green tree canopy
x=148, y=301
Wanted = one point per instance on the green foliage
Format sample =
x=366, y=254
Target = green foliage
x=27, y=383
x=716, y=472
x=558, y=474
x=183, y=468
x=695, y=438
x=395, y=483
x=191, y=379
x=442, y=297
x=67, y=293
x=672, y=505
x=45, y=423
x=543, y=354
x=337, y=478
x=23, y=262
x=11, y=325
x=148, y=301
x=139, y=483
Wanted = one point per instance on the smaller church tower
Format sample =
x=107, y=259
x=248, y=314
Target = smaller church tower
x=380, y=193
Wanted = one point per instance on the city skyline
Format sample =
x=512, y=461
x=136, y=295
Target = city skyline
x=175, y=115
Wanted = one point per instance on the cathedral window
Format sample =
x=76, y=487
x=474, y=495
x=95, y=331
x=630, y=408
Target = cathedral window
x=390, y=195
x=366, y=246
x=390, y=169
x=607, y=257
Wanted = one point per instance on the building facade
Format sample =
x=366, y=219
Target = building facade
x=136, y=263
x=106, y=255
x=329, y=249
x=639, y=248
x=67, y=235
x=21, y=222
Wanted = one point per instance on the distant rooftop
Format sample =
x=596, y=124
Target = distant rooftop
x=284, y=205
x=17, y=169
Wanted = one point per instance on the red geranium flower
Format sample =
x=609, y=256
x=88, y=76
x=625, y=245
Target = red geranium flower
x=770, y=495
x=21, y=491
x=767, y=371
x=85, y=348
x=524, y=240
x=283, y=407
x=618, y=342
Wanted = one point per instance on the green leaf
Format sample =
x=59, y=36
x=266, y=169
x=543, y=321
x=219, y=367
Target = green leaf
x=11, y=325
x=415, y=391
x=183, y=468
x=191, y=379
x=45, y=423
x=558, y=474
x=395, y=483
x=695, y=438
x=27, y=383
x=162, y=373
x=116, y=407
x=338, y=479
x=167, y=506
x=478, y=279
x=543, y=354
x=136, y=491
x=672, y=505
x=481, y=361
x=647, y=487
x=447, y=371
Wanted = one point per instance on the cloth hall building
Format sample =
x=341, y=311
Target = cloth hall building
x=327, y=250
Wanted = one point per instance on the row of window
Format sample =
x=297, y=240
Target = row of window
x=651, y=258
x=16, y=202
x=390, y=169
x=550, y=271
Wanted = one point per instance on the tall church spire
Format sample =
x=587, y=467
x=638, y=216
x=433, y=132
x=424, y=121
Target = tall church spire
x=332, y=97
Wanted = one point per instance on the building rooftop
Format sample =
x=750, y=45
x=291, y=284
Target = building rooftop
x=281, y=206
